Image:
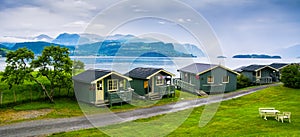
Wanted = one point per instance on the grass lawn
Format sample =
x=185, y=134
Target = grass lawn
x=237, y=117
x=66, y=107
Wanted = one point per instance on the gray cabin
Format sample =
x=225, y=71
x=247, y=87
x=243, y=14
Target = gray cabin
x=260, y=74
x=208, y=78
x=279, y=67
x=152, y=83
x=98, y=87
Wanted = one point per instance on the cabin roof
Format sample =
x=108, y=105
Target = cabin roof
x=89, y=76
x=200, y=68
x=256, y=67
x=146, y=73
x=278, y=65
x=240, y=69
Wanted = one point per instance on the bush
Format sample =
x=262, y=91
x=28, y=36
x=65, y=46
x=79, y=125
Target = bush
x=243, y=81
x=290, y=76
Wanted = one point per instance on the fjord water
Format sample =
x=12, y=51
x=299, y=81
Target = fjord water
x=171, y=64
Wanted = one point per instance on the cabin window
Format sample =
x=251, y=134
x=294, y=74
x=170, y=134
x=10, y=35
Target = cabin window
x=210, y=79
x=225, y=79
x=258, y=74
x=159, y=80
x=99, y=85
x=185, y=76
x=121, y=84
x=112, y=85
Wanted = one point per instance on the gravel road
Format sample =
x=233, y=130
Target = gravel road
x=42, y=127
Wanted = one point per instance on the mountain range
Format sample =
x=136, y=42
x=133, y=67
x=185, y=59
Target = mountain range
x=115, y=45
x=262, y=56
x=80, y=42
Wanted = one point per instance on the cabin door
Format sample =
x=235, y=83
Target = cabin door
x=100, y=91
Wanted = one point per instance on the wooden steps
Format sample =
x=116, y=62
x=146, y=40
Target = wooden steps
x=101, y=103
x=201, y=93
x=155, y=96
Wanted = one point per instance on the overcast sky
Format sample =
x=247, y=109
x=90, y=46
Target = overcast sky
x=241, y=26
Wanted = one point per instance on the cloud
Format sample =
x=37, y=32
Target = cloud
x=162, y=22
x=51, y=17
x=79, y=23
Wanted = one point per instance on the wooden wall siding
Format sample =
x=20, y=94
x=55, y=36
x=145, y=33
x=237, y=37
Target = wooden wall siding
x=266, y=72
x=138, y=86
x=218, y=74
x=120, y=79
x=200, y=82
x=250, y=75
x=84, y=92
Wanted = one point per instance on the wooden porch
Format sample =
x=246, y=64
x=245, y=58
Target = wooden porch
x=165, y=90
x=185, y=86
x=264, y=80
x=116, y=97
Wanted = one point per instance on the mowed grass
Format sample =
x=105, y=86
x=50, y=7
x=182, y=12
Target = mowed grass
x=237, y=117
x=69, y=107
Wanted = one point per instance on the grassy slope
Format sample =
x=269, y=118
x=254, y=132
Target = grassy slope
x=237, y=117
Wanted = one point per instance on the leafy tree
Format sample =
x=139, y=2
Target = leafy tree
x=78, y=66
x=56, y=65
x=243, y=81
x=290, y=76
x=17, y=70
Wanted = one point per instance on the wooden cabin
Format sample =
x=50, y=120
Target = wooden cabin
x=279, y=67
x=98, y=87
x=260, y=74
x=152, y=83
x=209, y=78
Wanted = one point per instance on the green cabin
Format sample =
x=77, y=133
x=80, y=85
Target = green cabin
x=209, y=78
x=260, y=74
x=98, y=87
x=151, y=83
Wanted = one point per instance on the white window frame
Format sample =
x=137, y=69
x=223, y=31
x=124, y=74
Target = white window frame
x=258, y=72
x=212, y=79
x=159, y=80
x=227, y=78
x=99, y=85
x=114, y=85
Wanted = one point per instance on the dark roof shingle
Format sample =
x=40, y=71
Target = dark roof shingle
x=278, y=65
x=90, y=75
x=253, y=67
x=142, y=73
x=197, y=68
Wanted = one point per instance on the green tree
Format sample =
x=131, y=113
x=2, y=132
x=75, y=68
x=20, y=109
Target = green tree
x=56, y=65
x=78, y=66
x=290, y=76
x=243, y=81
x=17, y=70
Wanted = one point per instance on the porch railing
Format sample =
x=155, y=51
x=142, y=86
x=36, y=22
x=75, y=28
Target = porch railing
x=166, y=90
x=264, y=80
x=120, y=96
x=184, y=85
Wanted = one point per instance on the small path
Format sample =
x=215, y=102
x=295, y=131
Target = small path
x=42, y=127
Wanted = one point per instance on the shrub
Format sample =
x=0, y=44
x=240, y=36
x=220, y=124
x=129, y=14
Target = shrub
x=243, y=81
x=290, y=76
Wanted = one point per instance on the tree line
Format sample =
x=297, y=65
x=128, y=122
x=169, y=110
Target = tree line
x=54, y=65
